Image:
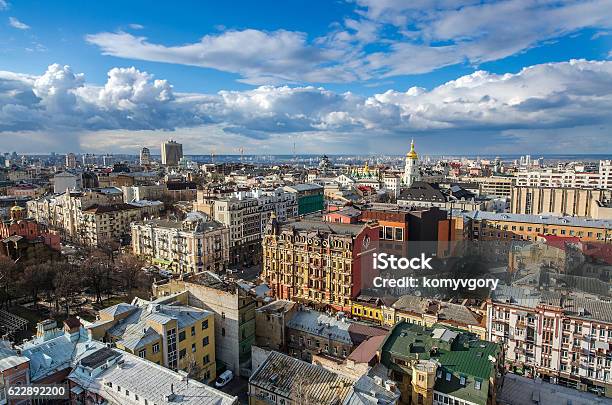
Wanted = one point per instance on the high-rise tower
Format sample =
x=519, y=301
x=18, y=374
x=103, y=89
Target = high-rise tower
x=171, y=153
x=411, y=169
x=145, y=157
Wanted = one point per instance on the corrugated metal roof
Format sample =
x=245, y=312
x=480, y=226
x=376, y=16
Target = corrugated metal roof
x=296, y=379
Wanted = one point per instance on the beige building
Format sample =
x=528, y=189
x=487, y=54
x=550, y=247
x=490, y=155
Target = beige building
x=493, y=186
x=246, y=215
x=92, y=216
x=428, y=312
x=490, y=226
x=189, y=246
x=581, y=202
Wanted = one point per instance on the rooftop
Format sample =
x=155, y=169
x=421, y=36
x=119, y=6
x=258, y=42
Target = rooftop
x=130, y=376
x=293, y=378
x=455, y=354
x=540, y=219
x=326, y=227
x=579, y=305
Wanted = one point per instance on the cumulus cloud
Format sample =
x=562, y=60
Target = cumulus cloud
x=4, y=5
x=15, y=23
x=547, y=99
x=260, y=57
x=409, y=37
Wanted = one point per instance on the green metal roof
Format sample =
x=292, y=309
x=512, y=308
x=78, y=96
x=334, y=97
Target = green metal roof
x=458, y=352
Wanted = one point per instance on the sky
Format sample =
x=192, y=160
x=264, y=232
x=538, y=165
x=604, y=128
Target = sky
x=356, y=76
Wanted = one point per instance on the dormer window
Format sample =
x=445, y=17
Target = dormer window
x=462, y=380
x=477, y=384
x=448, y=376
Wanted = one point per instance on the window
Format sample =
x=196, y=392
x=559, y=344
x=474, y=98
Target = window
x=156, y=348
x=448, y=376
x=206, y=359
x=462, y=380
x=222, y=331
x=142, y=353
x=193, y=331
x=181, y=336
x=205, y=324
x=205, y=341
x=477, y=384
x=193, y=348
x=399, y=234
x=182, y=353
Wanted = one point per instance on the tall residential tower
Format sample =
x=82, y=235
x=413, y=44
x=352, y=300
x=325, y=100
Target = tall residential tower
x=171, y=153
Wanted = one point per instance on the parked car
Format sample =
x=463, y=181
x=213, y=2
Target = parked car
x=224, y=378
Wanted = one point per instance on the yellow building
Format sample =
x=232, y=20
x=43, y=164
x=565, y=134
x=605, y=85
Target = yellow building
x=368, y=308
x=164, y=331
x=484, y=225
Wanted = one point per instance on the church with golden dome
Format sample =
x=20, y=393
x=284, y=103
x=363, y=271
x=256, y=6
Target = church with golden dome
x=411, y=168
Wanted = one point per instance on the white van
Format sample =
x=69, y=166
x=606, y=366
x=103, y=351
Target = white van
x=224, y=378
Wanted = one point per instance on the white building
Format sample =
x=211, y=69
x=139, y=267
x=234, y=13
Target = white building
x=393, y=184
x=567, y=178
x=63, y=181
x=411, y=169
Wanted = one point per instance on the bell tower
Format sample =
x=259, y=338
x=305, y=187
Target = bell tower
x=411, y=168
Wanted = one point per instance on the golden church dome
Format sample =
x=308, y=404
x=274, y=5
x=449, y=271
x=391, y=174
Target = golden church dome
x=412, y=154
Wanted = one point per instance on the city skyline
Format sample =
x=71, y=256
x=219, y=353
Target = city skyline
x=340, y=78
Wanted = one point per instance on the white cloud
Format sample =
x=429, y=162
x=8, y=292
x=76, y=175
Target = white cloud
x=15, y=23
x=136, y=26
x=479, y=109
x=410, y=37
x=259, y=57
x=4, y=5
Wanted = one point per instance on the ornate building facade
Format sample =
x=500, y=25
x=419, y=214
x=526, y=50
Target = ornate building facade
x=316, y=262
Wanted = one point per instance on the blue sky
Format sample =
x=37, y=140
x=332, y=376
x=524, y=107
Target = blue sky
x=331, y=76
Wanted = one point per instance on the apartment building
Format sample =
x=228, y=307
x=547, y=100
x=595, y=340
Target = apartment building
x=490, y=226
x=193, y=245
x=562, y=338
x=494, y=186
x=581, y=202
x=317, y=262
x=246, y=215
x=234, y=310
x=165, y=332
x=92, y=216
x=567, y=178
